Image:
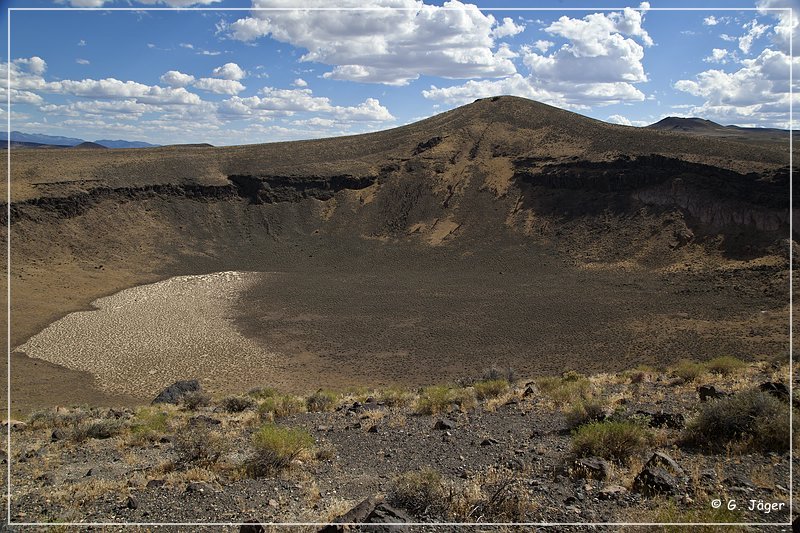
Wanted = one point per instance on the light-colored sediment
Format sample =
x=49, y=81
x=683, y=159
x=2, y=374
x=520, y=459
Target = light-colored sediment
x=144, y=338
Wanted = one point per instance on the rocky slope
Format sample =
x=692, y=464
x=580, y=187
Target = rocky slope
x=485, y=450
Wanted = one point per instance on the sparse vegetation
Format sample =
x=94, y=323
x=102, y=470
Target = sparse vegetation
x=585, y=412
x=148, y=425
x=615, y=440
x=396, y=397
x=275, y=447
x=689, y=371
x=198, y=445
x=753, y=418
x=208, y=447
x=490, y=388
x=724, y=365
x=321, y=400
x=423, y=493
x=434, y=399
x=570, y=387
x=237, y=404
x=195, y=399
x=280, y=406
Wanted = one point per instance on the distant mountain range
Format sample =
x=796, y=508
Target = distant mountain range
x=56, y=140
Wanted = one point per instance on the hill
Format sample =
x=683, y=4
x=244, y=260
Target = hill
x=89, y=145
x=699, y=126
x=452, y=226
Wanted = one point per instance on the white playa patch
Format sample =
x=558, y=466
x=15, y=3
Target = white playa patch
x=144, y=338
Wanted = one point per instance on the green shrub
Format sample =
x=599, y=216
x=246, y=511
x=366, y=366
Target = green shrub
x=751, y=417
x=569, y=388
x=434, y=399
x=396, y=397
x=274, y=448
x=725, y=365
x=321, y=401
x=490, y=389
x=615, y=440
x=149, y=424
x=280, y=406
x=237, y=404
x=420, y=493
x=689, y=370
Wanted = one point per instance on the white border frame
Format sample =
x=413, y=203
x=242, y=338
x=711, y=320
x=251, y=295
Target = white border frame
x=322, y=524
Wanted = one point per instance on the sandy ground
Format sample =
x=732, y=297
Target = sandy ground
x=146, y=337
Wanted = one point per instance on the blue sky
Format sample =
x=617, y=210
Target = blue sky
x=236, y=77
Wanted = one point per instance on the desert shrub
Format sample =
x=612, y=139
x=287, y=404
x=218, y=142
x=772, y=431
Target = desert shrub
x=570, y=387
x=751, y=417
x=422, y=493
x=434, y=399
x=585, y=412
x=396, y=397
x=280, y=406
x=195, y=399
x=464, y=399
x=102, y=429
x=321, y=401
x=63, y=419
x=507, y=374
x=260, y=393
x=615, y=440
x=490, y=388
x=688, y=370
x=198, y=445
x=505, y=499
x=237, y=404
x=274, y=448
x=724, y=365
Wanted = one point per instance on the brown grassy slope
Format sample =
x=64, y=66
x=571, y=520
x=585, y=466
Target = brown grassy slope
x=508, y=125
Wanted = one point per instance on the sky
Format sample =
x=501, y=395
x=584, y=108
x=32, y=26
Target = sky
x=271, y=72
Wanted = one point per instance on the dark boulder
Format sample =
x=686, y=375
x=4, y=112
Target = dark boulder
x=655, y=480
x=175, y=392
x=709, y=392
x=590, y=467
x=661, y=419
x=251, y=526
x=386, y=514
x=779, y=390
x=445, y=424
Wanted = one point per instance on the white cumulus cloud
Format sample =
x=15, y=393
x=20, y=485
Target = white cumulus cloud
x=175, y=78
x=218, y=86
x=229, y=71
x=718, y=55
x=756, y=93
x=390, y=46
x=599, y=65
